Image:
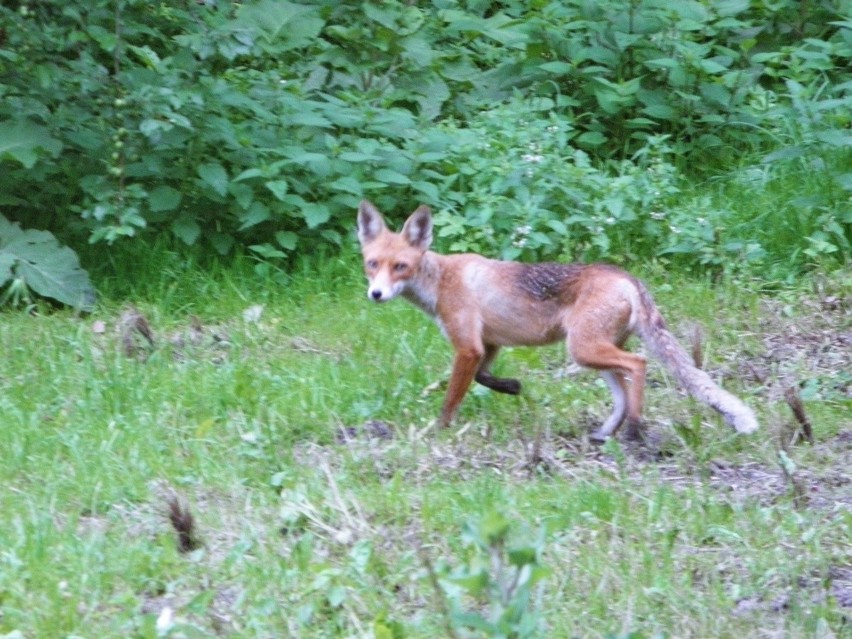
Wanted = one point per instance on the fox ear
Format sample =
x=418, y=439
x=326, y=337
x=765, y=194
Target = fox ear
x=370, y=222
x=417, y=230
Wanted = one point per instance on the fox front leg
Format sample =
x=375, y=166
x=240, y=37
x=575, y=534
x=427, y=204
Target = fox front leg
x=499, y=384
x=465, y=365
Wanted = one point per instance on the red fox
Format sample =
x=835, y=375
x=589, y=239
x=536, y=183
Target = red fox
x=482, y=304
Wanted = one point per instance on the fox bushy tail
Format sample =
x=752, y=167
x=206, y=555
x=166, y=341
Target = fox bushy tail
x=665, y=347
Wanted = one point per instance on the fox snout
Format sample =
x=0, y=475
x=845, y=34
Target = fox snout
x=377, y=295
x=379, y=292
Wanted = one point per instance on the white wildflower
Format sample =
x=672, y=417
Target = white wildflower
x=165, y=621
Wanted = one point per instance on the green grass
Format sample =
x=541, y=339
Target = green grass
x=305, y=534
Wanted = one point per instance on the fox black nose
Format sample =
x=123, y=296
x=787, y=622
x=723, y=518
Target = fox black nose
x=376, y=294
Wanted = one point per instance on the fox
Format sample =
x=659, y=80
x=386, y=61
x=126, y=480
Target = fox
x=482, y=305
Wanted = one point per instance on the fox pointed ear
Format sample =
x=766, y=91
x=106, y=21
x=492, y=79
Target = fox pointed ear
x=417, y=229
x=370, y=222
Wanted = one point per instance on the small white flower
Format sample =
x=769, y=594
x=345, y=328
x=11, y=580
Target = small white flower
x=532, y=158
x=252, y=314
x=165, y=621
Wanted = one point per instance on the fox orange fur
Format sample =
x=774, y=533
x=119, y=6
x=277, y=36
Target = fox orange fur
x=482, y=304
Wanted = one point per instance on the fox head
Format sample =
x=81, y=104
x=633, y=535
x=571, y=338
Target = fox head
x=392, y=259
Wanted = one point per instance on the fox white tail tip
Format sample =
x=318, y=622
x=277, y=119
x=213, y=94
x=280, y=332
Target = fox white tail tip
x=744, y=423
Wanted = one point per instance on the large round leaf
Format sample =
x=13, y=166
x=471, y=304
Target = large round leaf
x=46, y=267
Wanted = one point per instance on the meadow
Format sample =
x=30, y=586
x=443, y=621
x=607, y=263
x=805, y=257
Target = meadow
x=291, y=420
x=232, y=441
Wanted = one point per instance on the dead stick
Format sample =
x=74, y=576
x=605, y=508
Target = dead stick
x=791, y=394
x=697, y=346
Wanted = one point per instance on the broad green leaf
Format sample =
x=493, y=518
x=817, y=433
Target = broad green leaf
x=381, y=631
x=730, y=7
x=431, y=192
x=712, y=66
x=250, y=173
x=347, y=184
x=433, y=96
x=315, y=214
x=164, y=198
x=243, y=194
x=473, y=583
x=222, y=242
x=7, y=261
x=835, y=137
x=591, y=138
x=146, y=55
x=390, y=177
x=285, y=25
x=278, y=188
x=659, y=111
x=522, y=555
x=49, y=269
x=287, y=239
x=845, y=182
x=215, y=176
x=25, y=141
x=186, y=229
x=336, y=595
x=558, y=67
x=257, y=213
x=267, y=250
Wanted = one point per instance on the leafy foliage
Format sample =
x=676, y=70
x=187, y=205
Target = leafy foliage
x=501, y=576
x=524, y=192
x=34, y=260
x=263, y=123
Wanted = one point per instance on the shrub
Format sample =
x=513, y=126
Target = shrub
x=263, y=123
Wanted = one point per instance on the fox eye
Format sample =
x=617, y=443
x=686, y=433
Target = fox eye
x=372, y=264
x=399, y=267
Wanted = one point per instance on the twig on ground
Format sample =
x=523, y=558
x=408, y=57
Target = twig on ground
x=794, y=401
x=184, y=524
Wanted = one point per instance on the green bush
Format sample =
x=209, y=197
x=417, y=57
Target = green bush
x=262, y=124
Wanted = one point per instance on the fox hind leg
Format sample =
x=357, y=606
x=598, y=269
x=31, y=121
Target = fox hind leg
x=618, y=387
x=616, y=366
x=499, y=384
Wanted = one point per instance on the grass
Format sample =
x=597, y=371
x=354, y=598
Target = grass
x=301, y=443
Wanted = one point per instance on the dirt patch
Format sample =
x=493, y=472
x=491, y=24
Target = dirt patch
x=827, y=486
x=812, y=343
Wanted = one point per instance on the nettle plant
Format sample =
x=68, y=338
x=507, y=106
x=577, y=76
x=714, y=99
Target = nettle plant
x=515, y=187
x=495, y=592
